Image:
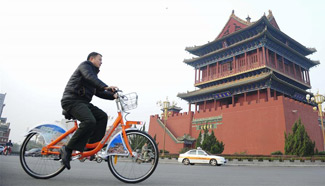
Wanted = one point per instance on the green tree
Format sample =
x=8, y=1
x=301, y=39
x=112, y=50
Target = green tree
x=298, y=142
x=211, y=144
x=198, y=140
x=206, y=141
x=137, y=141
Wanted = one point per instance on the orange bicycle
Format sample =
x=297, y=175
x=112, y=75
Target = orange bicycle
x=123, y=147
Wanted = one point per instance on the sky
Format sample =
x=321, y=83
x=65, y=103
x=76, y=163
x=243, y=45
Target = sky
x=142, y=42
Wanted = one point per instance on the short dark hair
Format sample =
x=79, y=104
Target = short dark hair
x=93, y=54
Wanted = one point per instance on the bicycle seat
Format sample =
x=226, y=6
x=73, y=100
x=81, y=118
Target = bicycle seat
x=67, y=115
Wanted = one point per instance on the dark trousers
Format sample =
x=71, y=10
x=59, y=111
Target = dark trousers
x=92, y=125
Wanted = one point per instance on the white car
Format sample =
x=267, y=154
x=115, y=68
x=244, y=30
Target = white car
x=200, y=156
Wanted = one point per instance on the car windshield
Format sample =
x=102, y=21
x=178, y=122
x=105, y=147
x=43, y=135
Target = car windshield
x=208, y=152
x=192, y=152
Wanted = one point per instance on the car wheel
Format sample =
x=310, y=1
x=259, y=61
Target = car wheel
x=186, y=161
x=213, y=162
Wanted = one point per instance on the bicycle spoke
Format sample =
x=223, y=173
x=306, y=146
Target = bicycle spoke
x=34, y=163
x=137, y=168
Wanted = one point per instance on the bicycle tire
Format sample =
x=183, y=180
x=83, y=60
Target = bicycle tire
x=127, y=169
x=38, y=166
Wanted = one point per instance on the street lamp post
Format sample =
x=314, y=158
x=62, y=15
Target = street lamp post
x=165, y=106
x=319, y=100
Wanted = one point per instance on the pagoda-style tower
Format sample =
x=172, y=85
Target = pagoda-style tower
x=249, y=58
x=252, y=81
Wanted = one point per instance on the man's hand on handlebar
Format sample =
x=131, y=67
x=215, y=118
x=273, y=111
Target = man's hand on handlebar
x=113, y=89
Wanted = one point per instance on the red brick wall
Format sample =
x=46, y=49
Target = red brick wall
x=251, y=128
x=178, y=124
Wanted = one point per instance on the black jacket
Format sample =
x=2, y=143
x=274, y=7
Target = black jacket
x=84, y=83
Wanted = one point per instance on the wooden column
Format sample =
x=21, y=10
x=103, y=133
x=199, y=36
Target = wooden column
x=258, y=96
x=274, y=94
x=268, y=94
x=294, y=70
x=245, y=97
x=267, y=56
x=217, y=69
x=208, y=72
x=235, y=65
x=205, y=104
x=215, y=104
x=246, y=62
x=308, y=80
x=233, y=100
x=189, y=107
x=258, y=57
x=264, y=58
x=195, y=107
x=275, y=61
x=300, y=73
x=221, y=70
x=283, y=64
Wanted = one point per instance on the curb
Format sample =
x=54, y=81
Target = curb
x=255, y=162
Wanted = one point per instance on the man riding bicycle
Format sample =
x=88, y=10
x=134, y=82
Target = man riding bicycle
x=8, y=147
x=78, y=93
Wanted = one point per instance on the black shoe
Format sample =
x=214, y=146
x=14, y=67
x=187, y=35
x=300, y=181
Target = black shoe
x=66, y=156
x=91, y=158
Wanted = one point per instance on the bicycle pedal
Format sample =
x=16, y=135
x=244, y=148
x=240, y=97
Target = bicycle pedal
x=75, y=157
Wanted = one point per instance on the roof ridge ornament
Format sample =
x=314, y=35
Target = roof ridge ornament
x=248, y=19
x=270, y=16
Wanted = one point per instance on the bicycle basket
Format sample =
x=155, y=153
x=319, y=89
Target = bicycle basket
x=129, y=101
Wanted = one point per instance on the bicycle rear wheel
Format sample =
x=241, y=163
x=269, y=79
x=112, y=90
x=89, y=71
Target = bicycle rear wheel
x=134, y=169
x=34, y=163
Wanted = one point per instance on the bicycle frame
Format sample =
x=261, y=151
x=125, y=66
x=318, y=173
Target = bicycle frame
x=98, y=145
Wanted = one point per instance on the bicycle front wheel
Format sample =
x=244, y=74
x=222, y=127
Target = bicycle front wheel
x=137, y=168
x=34, y=163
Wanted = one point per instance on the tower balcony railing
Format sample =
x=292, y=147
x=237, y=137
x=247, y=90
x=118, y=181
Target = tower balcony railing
x=226, y=73
x=289, y=71
x=249, y=67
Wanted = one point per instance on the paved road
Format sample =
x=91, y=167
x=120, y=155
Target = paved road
x=168, y=174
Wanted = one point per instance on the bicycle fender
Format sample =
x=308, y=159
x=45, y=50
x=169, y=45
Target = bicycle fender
x=48, y=131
